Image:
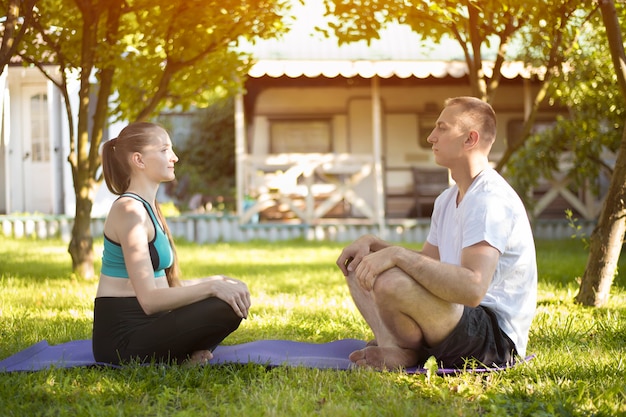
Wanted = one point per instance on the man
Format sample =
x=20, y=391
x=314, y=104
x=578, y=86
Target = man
x=471, y=292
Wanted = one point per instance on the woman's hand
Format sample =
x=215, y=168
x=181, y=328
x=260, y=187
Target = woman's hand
x=232, y=291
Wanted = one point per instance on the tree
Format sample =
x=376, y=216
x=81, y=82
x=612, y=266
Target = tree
x=209, y=170
x=590, y=134
x=144, y=55
x=17, y=16
x=608, y=236
x=484, y=30
x=548, y=45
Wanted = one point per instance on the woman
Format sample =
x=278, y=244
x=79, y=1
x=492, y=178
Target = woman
x=142, y=311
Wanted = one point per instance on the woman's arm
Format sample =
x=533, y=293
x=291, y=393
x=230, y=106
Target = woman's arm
x=132, y=227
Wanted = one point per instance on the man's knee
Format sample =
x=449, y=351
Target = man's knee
x=391, y=285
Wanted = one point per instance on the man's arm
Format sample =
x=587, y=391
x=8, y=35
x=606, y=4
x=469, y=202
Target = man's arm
x=466, y=284
x=431, y=251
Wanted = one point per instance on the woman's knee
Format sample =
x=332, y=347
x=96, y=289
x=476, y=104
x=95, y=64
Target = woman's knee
x=222, y=310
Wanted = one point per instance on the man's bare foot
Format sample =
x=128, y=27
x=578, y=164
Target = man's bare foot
x=372, y=342
x=386, y=357
x=200, y=357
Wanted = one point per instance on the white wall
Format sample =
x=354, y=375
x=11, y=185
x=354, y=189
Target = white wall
x=4, y=126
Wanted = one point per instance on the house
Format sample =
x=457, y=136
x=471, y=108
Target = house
x=34, y=174
x=338, y=134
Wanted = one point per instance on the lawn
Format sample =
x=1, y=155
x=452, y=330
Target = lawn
x=299, y=294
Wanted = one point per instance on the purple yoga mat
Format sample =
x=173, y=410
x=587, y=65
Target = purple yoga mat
x=331, y=355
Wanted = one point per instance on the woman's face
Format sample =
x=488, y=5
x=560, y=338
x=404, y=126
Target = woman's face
x=159, y=158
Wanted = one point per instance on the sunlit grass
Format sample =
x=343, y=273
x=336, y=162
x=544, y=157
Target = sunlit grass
x=299, y=294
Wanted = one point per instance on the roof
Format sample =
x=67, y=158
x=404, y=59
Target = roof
x=399, y=52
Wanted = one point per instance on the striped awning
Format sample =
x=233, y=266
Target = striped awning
x=383, y=69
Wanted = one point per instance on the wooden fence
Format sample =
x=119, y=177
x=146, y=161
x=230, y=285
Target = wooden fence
x=206, y=228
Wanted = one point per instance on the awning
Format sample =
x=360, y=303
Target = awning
x=382, y=69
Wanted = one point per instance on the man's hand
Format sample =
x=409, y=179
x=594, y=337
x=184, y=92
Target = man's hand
x=352, y=254
x=374, y=264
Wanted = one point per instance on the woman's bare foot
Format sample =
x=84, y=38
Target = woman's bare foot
x=387, y=357
x=200, y=357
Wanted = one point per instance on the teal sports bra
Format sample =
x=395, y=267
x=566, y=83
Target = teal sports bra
x=161, y=253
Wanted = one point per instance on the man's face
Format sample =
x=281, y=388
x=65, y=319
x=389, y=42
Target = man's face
x=448, y=136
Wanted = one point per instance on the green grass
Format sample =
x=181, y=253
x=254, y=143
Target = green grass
x=299, y=294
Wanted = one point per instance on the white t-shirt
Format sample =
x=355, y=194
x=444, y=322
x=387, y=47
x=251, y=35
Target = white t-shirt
x=492, y=211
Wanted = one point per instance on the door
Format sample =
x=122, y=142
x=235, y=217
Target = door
x=37, y=166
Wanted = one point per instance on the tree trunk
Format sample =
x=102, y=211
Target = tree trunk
x=81, y=245
x=478, y=85
x=608, y=236
x=607, y=239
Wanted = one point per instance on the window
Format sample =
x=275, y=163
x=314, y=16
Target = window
x=300, y=136
x=40, y=140
x=426, y=124
x=515, y=127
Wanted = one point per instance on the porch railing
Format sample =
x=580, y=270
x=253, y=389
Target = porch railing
x=308, y=185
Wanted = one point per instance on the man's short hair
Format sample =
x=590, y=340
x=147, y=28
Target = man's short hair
x=482, y=117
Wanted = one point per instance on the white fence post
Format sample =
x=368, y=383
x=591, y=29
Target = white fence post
x=204, y=229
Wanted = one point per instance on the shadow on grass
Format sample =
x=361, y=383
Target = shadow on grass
x=36, y=269
x=30, y=258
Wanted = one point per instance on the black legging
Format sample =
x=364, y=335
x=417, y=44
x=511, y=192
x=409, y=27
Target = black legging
x=122, y=332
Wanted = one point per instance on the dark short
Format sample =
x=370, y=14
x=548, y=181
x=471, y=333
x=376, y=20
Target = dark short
x=122, y=332
x=477, y=338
